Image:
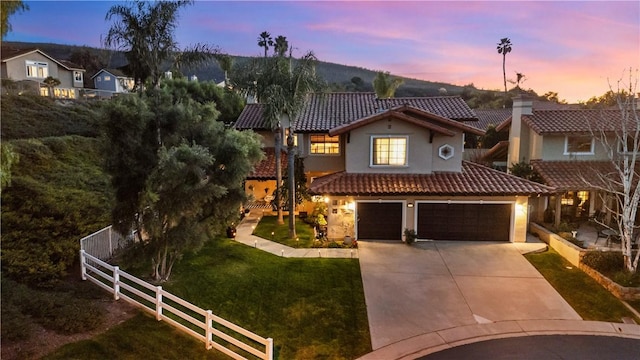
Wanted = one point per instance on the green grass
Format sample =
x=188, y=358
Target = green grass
x=269, y=225
x=141, y=337
x=585, y=295
x=635, y=304
x=312, y=308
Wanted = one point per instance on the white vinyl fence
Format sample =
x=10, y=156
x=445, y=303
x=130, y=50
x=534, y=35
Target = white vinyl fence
x=214, y=331
x=104, y=243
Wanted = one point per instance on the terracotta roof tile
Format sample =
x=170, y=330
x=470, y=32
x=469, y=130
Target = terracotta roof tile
x=251, y=118
x=325, y=111
x=474, y=179
x=572, y=175
x=573, y=121
x=493, y=117
x=266, y=169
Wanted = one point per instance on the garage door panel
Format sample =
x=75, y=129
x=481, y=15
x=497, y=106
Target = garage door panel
x=467, y=222
x=380, y=221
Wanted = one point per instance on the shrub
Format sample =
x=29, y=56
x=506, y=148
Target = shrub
x=604, y=261
x=410, y=236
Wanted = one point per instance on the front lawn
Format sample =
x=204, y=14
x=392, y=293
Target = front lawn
x=269, y=229
x=312, y=308
x=585, y=295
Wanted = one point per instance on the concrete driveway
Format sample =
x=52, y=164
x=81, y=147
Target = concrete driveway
x=430, y=286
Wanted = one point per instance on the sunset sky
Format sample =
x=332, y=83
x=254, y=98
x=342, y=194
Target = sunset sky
x=575, y=48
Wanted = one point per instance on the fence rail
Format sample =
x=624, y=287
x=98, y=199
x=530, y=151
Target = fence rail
x=213, y=330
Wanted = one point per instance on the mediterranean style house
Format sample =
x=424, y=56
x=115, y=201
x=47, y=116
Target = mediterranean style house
x=108, y=82
x=27, y=68
x=385, y=165
x=565, y=147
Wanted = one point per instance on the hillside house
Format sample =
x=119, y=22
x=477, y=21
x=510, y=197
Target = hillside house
x=108, y=82
x=27, y=69
x=385, y=165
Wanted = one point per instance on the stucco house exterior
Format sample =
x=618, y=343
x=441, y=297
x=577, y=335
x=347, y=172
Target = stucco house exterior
x=29, y=67
x=385, y=165
x=108, y=82
x=564, y=146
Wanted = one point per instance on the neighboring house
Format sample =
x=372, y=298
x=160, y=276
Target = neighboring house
x=112, y=81
x=29, y=67
x=563, y=147
x=383, y=165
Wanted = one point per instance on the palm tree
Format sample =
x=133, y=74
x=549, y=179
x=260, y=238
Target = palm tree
x=385, y=86
x=144, y=31
x=281, y=45
x=504, y=47
x=8, y=8
x=265, y=41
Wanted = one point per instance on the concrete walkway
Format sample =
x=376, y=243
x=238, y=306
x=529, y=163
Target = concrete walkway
x=244, y=235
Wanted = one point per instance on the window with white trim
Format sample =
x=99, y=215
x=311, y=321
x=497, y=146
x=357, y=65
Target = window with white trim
x=37, y=69
x=77, y=76
x=107, y=78
x=579, y=145
x=389, y=151
x=324, y=144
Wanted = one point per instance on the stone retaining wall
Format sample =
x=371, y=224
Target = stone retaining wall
x=574, y=255
x=621, y=292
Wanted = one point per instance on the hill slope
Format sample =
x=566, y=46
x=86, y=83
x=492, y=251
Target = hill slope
x=339, y=76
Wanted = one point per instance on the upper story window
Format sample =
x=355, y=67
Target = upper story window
x=77, y=76
x=37, y=69
x=324, y=144
x=107, y=78
x=389, y=151
x=579, y=145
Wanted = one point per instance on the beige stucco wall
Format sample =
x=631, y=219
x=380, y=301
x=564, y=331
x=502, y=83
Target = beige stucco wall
x=317, y=163
x=422, y=155
x=342, y=212
x=553, y=149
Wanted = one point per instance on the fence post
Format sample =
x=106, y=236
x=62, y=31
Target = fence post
x=116, y=283
x=159, y=303
x=269, y=349
x=110, y=245
x=83, y=268
x=208, y=331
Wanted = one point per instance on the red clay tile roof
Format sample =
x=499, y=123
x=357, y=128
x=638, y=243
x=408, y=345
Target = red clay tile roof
x=570, y=121
x=412, y=115
x=572, y=175
x=474, y=179
x=493, y=117
x=266, y=169
x=573, y=121
x=325, y=111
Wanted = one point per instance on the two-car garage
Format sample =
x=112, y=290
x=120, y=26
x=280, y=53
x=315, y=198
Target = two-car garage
x=464, y=221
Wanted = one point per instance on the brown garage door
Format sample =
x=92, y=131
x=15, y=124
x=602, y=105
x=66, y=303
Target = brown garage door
x=380, y=221
x=466, y=222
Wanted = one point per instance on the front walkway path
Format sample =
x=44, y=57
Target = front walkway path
x=244, y=235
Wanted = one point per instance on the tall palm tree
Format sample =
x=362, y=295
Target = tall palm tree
x=281, y=45
x=504, y=47
x=145, y=32
x=385, y=86
x=265, y=41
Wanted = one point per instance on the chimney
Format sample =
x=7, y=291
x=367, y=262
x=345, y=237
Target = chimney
x=522, y=105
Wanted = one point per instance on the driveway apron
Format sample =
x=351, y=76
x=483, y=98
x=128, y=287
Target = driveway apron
x=430, y=286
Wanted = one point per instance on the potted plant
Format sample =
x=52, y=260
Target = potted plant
x=410, y=236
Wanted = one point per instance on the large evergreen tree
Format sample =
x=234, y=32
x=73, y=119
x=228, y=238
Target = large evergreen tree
x=173, y=190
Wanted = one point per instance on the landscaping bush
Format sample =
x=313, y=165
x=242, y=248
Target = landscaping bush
x=604, y=261
x=567, y=236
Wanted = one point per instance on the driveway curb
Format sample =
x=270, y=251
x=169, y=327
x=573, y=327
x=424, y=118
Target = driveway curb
x=429, y=343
